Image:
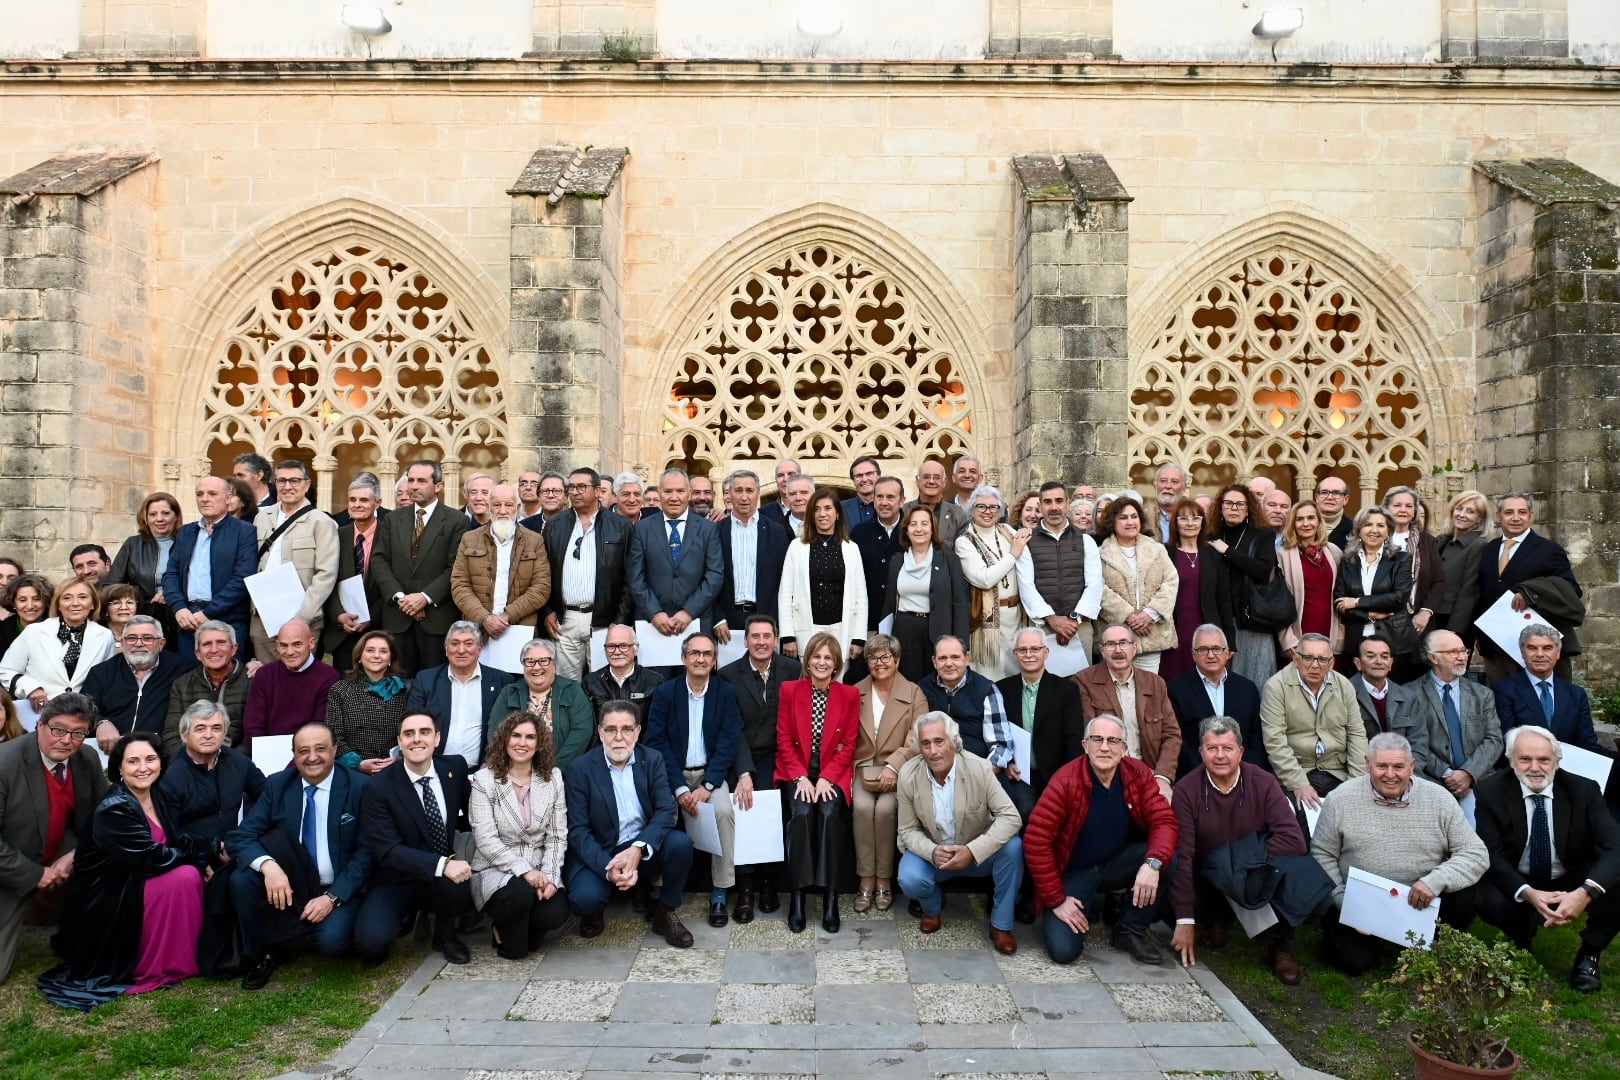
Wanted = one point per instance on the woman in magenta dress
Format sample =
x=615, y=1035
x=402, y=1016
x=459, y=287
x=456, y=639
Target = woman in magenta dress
x=1203, y=592
x=134, y=905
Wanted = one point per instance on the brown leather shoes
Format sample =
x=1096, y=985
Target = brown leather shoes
x=1004, y=942
x=1286, y=968
x=929, y=923
x=666, y=922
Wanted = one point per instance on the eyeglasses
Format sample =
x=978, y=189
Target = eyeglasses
x=1189, y=517
x=1209, y=650
x=580, y=487
x=528, y=483
x=1460, y=651
x=1322, y=494
x=67, y=733
x=541, y=662
x=619, y=732
x=579, y=541
x=879, y=658
x=618, y=646
x=1230, y=504
x=986, y=508
x=1315, y=661
x=1115, y=645
x=700, y=654
x=141, y=639
x=1030, y=650
x=1105, y=740
x=290, y=481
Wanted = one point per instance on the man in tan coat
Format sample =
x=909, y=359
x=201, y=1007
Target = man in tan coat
x=956, y=821
x=1138, y=699
x=501, y=577
x=294, y=531
x=1311, y=722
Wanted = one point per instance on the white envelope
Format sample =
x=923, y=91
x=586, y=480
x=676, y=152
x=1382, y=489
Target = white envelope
x=28, y=716
x=1502, y=624
x=598, y=650
x=735, y=649
x=1466, y=805
x=505, y=651
x=1023, y=744
x=1378, y=906
x=703, y=830
x=1313, y=814
x=759, y=829
x=1066, y=660
x=1254, y=922
x=277, y=595
x=352, y=595
x=1594, y=767
x=657, y=650
x=272, y=753
x=886, y=625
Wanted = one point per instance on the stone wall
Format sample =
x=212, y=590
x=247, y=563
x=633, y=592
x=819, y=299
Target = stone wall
x=1505, y=29
x=141, y=27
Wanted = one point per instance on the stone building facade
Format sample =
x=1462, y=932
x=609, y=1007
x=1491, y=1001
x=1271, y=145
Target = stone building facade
x=1067, y=237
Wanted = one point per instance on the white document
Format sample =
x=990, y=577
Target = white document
x=272, y=753
x=1254, y=922
x=28, y=716
x=598, y=650
x=1594, y=767
x=658, y=650
x=702, y=829
x=735, y=649
x=277, y=595
x=1022, y=747
x=1502, y=625
x=886, y=625
x=505, y=651
x=352, y=595
x=1378, y=906
x=1466, y=805
x=1066, y=660
x=1313, y=814
x=759, y=829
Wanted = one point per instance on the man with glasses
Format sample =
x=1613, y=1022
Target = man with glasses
x=547, y=499
x=1138, y=699
x=293, y=531
x=50, y=782
x=528, y=487
x=858, y=508
x=1169, y=484
x=1459, y=716
x=951, y=517
x=586, y=549
x=1100, y=826
x=694, y=724
x=1332, y=496
x=623, y=679
x=1312, y=726
x=1212, y=688
x=1045, y=705
x=132, y=690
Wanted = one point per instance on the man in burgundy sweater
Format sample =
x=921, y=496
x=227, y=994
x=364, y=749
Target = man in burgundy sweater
x=287, y=695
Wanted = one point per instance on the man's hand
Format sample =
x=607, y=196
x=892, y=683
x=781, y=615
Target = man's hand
x=352, y=624
x=855, y=651
x=624, y=868
x=680, y=621
x=376, y=764
x=663, y=623
x=1072, y=913
x=722, y=633
x=1458, y=782
x=253, y=667
x=1308, y=797
x=956, y=857
x=1420, y=896
x=790, y=648
x=1568, y=906
x=50, y=878
x=106, y=736
x=687, y=800
x=1545, y=904
x=496, y=625
x=1064, y=627
x=457, y=871
x=277, y=889
x=553, y=626
x=1519, y=602
x=317, y=909
x=743, y=794
x=186, y=619
x=1146, y=889
x=1012, y=771
x=1164, y=788
x=1183, y=942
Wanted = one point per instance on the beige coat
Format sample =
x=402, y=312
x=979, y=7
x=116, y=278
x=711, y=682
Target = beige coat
x=311, y=545
x=896, y=741
x=985, y=817
x=1291, y=728
x=1124, y=594
x=472, y=576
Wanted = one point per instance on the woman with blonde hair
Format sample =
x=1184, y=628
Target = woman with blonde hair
x=890, y=705
x=1310, y=566
x=1467, y=529
x=57, y=653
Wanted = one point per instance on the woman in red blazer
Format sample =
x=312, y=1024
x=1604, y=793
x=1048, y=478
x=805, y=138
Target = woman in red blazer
x=814, y=770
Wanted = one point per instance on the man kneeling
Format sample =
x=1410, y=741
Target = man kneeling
x=957, y=821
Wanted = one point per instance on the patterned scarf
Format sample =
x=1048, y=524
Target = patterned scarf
x=73, y=638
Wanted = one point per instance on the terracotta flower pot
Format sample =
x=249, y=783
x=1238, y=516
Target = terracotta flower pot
x=1430, y=1067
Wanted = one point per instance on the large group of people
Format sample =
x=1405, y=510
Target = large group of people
x=1246, y=681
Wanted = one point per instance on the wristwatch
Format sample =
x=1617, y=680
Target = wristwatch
x=707, y=786
x=336, y=903
x=646, y=848
x=1154, y=864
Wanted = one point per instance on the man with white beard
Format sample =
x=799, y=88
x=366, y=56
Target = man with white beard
x=501, y=577
x=132, y=690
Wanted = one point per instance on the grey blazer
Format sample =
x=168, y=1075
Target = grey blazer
x=657, y=584
x=1481, y=729
x=1402, y=713
x=25, y=816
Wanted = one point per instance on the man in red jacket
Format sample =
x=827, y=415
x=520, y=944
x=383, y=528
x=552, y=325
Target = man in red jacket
x=1100, y=825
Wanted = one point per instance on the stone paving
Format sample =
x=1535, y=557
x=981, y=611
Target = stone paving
x=757, y=1001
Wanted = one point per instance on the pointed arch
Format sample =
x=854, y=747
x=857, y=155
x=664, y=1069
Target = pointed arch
x=819, y=333
x=1288, y=345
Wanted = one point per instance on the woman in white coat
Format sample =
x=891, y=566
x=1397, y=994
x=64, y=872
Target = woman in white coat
x=823, y=586
x=988, y=551
x=54, y=655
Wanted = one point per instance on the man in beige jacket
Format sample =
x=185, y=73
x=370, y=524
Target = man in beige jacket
x=1311, y=723
x=310, y=543
x=501, y=577
x=956, y=821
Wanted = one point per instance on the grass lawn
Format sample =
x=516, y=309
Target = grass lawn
x=203, y=1028
x=1327, y=1025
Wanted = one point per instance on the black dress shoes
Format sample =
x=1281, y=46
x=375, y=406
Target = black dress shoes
x=745, y=907
x=717, y=913
x=455, y=950
x=914, y=908
x=591, y=925
x=830, y=921
x=1585, y=976
x=257, y=977
x=769, y=900
x=796, y=911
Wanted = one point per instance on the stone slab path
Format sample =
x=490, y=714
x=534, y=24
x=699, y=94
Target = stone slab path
x=879, y=998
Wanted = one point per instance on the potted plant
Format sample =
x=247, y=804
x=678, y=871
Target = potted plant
x=1456, y=996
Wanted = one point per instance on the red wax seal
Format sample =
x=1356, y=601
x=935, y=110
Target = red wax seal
x=1394, y=892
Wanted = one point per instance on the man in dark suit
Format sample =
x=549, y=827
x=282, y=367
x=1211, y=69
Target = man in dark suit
x=1536, y=696
x=775, y=511
x=864, y=472
x=50, y=781
x=878, y=541
x=1549, y=864
x=1385, y=704
x=675, y=567
x=621, y=815
x=694, y=724
x=357, y=546
x=301, y=865
x=1520, y=561
x=460, y=694
x=1459, y=715
x=209, y=566
x=587, y=547
x=1045, y=705
x=551, y=491
x=753, y=553
x=409, y=816
x=1215, y=690
x=412, y=568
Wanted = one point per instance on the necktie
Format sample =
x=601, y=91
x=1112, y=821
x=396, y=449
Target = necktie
x=421, y=523
x=1546, y=700
x=359, y=554
x=60, y=772
x=675, y=541
x=435, y=818
x=307, y=832
x=1453, y=728
x=1030, y=691
x=1540, y=841
x=1507, y=553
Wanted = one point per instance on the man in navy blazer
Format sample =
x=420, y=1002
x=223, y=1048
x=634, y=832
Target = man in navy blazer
x=1561, y=707
x=699, y=760
x=409, y=816
x=209, y=566
x=621, y=817
x=749, y=542
x=301, y=865
x=1214, y=689
x=675, y=569
x=459, y=695
x=1531, y=558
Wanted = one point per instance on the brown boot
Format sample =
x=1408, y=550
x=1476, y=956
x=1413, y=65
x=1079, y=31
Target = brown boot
x=1286, y=968
x=666, y=922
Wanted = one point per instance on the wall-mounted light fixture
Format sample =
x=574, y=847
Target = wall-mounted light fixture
x=820, y=19
x=1278, y=23
x=367, y=19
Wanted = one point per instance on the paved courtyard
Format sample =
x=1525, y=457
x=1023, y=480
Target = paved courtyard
x=879, y=998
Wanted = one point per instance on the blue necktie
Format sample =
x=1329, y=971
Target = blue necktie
x=1546, y=700
x=675, y=541
x=1454, y=727
x=307, y=832
x=1540, y=842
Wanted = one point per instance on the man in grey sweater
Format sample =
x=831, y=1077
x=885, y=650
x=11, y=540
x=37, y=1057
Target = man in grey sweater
x=1400, y=827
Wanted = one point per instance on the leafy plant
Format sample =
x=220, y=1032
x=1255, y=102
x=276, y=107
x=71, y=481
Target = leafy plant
x=621, y=47
x=1606, y=704
x=1457, y=995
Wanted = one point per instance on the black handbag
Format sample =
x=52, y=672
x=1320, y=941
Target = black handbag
x=1268, y=608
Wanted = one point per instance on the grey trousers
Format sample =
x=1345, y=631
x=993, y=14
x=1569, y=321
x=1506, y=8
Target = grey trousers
x=722, y=867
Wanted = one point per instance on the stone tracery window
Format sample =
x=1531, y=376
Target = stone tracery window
x=352, y=359
x=1277, y=367
x=819, y=355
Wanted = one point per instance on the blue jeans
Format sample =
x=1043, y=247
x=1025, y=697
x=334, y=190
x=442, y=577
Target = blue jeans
x=1064, y=945
x=919, y=879
x=589, y=892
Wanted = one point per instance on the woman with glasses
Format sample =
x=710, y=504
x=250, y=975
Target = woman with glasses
x=119, y=604
x=823, y=586
x=1372, y=591
x=927, y=594
x=1310, y=566
x=366, y=706
x=558, y=702
x=1250, y=552
x=1139, y=581
x=1467, y=528
x=1203, y=589
x=56, y=654
x=890, y=705
x=988, y=552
